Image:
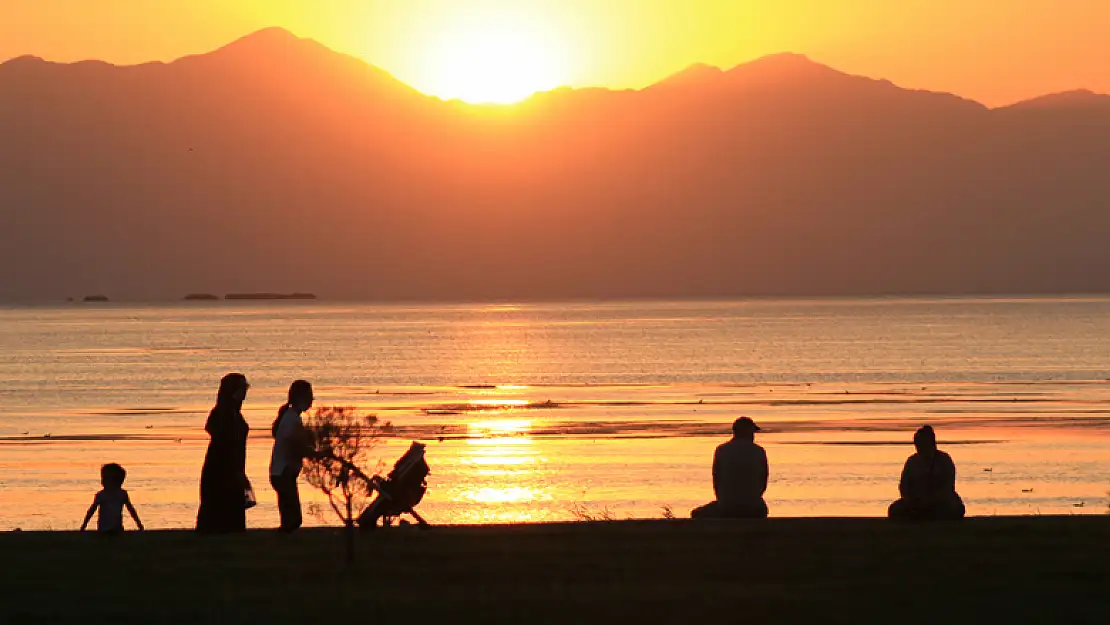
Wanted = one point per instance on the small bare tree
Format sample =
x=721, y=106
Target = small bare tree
x=343, y=439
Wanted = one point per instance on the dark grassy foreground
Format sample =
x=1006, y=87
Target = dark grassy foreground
x=990, y=570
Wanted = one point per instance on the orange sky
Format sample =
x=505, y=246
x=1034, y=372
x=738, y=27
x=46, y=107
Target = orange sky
x=995, y=51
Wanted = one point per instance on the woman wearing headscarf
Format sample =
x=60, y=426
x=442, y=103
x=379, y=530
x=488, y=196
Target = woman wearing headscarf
x=223, y=480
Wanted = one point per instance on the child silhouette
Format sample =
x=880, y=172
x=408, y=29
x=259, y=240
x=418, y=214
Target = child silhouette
x=111, y=501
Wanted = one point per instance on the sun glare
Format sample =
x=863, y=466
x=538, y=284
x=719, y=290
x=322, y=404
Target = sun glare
x=498, y=59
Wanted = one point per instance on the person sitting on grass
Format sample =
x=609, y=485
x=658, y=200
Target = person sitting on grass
x=928, y=484
x=111, y=501
x=740, y=475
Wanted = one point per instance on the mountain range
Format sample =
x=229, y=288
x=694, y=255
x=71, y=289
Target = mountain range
x=276, y=164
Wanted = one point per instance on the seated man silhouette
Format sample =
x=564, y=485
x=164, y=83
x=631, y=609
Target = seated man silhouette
x=928, y=484
x=739, y=477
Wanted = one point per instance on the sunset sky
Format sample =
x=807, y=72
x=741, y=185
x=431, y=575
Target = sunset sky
x=995, y=51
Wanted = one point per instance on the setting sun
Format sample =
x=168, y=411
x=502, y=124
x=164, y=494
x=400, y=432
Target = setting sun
x=492, y=58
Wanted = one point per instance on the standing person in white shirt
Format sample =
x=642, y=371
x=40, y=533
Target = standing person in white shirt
x=292, y=443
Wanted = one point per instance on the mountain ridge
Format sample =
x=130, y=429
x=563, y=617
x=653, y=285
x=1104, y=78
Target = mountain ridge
x=277, y=40
x=253, y=168
x=1075, y=98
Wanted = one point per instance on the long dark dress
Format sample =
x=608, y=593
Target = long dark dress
x=223, y=477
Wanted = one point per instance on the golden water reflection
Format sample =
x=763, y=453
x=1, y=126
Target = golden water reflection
x=492, y=431
x=498, y=403
x=506, y=494
x=507, y=468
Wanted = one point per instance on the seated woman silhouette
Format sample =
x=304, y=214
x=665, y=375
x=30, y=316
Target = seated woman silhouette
x=928, y=484
x=739, y=477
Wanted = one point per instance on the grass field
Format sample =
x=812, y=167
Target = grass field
x=987, y=570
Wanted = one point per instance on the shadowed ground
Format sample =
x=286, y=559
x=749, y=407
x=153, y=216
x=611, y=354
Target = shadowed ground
x=1001, y=570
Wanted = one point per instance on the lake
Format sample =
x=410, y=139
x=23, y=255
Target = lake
x=556, y=411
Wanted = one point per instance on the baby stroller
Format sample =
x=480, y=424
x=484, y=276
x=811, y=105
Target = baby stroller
x=399, y=492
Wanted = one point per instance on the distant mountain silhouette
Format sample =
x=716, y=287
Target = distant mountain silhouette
x=275, y=164
x=1080, y=99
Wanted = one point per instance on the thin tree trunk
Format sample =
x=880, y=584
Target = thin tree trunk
x=349, y=531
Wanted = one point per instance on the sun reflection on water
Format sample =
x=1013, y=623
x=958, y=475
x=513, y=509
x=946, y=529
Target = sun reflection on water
x=509, y=494
x=507, y=471
x=488, y=432
x=498, y=403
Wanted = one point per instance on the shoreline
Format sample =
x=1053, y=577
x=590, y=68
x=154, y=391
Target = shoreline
x=784, y=522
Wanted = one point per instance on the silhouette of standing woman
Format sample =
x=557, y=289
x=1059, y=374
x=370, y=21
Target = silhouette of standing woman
x=223, y=480
x=292, y=444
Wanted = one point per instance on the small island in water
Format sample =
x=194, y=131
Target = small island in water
x=95, y=298
x=206, y=297
x=268, y=296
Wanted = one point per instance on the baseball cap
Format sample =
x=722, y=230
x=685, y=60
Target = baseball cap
x=745, y=424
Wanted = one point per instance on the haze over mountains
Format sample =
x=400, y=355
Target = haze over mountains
x=276, y=164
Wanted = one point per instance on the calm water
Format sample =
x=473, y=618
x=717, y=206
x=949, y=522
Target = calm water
x=532, y=410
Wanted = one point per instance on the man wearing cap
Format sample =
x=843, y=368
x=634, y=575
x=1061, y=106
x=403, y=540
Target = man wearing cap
x=739, y=477
x=928, y=484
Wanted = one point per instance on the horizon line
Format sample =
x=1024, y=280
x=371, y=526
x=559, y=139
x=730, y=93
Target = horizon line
x=285, y=32
x=1074, y=296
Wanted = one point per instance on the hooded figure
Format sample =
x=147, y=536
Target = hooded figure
x=223, y=480
x=928, y=484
